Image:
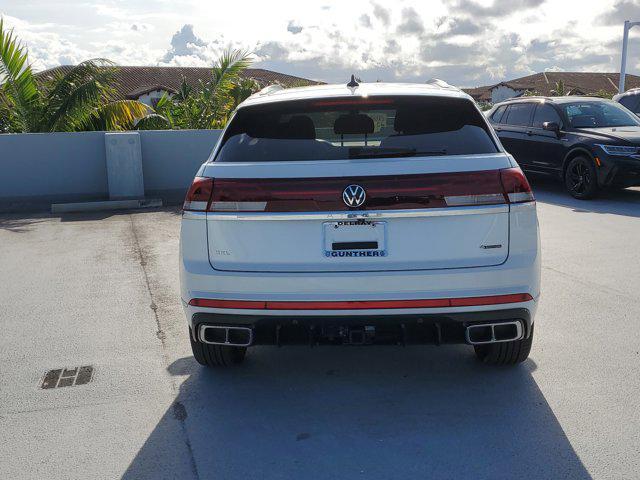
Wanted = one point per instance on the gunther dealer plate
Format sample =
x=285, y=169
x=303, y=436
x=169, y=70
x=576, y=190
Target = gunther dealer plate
x=355, y=238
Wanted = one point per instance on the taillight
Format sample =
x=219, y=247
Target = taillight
x=516, y=187
x=432, y=190
x=199, y=195
x=394, y=192
x=241, y=195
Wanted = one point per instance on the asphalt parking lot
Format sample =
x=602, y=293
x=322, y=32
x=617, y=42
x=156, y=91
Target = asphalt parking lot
x=101, y=290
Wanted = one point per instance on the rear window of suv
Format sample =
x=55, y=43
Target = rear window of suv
x=352, y=128
x=632, y=102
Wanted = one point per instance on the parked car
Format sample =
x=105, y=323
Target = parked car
x=359, y=214
x=630, y=99
x=589, y=143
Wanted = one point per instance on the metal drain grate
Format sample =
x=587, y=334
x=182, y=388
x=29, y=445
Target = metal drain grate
x=67, y=377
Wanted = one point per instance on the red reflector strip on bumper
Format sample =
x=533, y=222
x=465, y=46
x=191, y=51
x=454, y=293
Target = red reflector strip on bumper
x=362, y=305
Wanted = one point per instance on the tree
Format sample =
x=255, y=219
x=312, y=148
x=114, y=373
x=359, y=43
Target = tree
x=602, y=93
x=559, y=90
x=210, y=105
x=243, y=90
x=82, y=98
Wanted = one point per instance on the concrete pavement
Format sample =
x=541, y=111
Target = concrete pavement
x=101, y=290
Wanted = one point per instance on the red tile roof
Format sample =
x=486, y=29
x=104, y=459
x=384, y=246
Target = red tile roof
x=584, y=83
x=479, y=94
x=135, y=81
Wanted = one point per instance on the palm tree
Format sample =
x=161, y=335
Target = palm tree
x=213, y=104
x=243, y=90
x=602, y=93
x=184, y=91
x=162, y=117
x=210, y=106
x=559, y=90
x=83, y=98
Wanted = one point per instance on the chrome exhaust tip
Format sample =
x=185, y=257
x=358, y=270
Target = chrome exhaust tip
x=494, y=332
x=223, y=335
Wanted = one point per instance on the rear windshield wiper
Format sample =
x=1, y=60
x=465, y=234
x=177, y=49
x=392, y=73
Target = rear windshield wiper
x=391, y=152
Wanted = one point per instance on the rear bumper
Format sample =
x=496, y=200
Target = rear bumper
x=408, y=328
x=254, y=292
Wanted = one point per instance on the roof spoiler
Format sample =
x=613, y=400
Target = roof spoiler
x=436, y=82
x=270, y=89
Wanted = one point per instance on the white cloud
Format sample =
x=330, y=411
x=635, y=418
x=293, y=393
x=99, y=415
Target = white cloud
x=466, y=42
x=411, y=23
x=381, y=13
x=46, y=47
x=293, y=27
x=185, y=43
x=365, y=21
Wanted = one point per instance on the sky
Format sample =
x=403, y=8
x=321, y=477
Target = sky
x=464, y=42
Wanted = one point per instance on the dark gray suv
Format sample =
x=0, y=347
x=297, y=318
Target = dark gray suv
x=589, y=143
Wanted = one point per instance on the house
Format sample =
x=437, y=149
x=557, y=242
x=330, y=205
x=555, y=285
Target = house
x=575, y=83
x=149, y=84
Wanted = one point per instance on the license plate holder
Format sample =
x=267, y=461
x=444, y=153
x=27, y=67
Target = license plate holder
x=368, y=238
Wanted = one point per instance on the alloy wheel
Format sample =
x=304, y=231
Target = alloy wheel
x=580, y=177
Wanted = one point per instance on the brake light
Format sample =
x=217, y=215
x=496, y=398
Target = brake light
x=354, y=101
x=515, y=185
x=394, y=192
x=432, y=190
x=199, y=195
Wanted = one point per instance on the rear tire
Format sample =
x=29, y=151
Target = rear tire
x=505, y=353
x=216, y=355
x=581, y=178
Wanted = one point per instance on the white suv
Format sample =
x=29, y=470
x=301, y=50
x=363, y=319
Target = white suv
x=360, y=214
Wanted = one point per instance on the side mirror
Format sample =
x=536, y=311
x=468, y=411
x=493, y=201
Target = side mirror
x=551, y=126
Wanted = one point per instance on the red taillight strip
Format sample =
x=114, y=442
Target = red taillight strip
x=362, y=304
x=209, y=303
x=389, y=192
x=356, y=305
x=354, y=101
x=490, y=300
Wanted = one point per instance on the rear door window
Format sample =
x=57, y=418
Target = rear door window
x=355, y=128
x=545, y=113
x=497, y=115
x=519, y=114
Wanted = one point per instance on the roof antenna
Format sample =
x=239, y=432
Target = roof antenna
x=353, y=83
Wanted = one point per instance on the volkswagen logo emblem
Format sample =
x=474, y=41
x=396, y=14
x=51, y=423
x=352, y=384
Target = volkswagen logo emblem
x=354, y=196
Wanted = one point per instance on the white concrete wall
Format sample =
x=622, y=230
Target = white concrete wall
x=37, y=169
x=502, y=92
